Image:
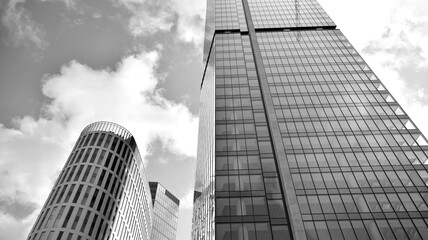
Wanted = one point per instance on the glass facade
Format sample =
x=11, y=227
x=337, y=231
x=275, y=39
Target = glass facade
x=298, y=137
x=101, y=193
x=165, y=213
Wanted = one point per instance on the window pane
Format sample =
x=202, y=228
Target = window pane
x=260, y=206
x=280, y=232
x=263, y=231
x=222, y=207
x=276, y=208
x=223, y=231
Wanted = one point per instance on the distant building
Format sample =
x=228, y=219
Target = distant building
x=298, y=138
x=165, y=213
x=101, y=193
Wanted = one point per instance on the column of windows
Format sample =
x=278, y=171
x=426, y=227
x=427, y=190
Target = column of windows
x=359, y=165
x=249, y=201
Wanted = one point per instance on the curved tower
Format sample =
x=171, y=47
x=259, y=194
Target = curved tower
x=102, y=191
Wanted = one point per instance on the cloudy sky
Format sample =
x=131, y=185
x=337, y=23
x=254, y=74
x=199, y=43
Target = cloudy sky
x=67, y=63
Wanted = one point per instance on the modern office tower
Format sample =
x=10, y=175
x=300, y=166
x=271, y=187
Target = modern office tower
x=165, y=213
x=298, y=138
x=102, y=192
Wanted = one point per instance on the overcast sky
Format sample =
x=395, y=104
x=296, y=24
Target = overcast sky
x=67, y=63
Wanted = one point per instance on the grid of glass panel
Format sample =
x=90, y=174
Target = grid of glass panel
x=222, y=15
x=358, y=163
x=101, y=193
x=249, y=201
x=165, y=213
x=226, y=14
x=288, y=13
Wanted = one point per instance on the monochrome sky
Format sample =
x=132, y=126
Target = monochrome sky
x=67, y=63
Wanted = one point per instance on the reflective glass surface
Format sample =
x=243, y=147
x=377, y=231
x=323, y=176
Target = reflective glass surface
x=298, y=137
x=355, y=156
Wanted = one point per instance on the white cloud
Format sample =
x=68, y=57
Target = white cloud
x=191, y=21
x=22, y=29
x=151, y=16
x=148, y=16
x=34, y=150
x=186, y=202
x=185, y=215
x=69, y=4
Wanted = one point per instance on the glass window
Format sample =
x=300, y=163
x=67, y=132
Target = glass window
x=272, y=185
x=340, y=181
x=372, y=229
x=232, y=162
x=221, y=163
x=338, y=206
x=242, y=162
x=395, y=202
x=276, y=208
x=314, y=204
x=349, y=203
x=221, y=145
x=407, y=202
x=254, y=162
x=263, y=231
x=222, y=183
x=326, y=204
x=334, y=229
x=244, y=183
x=247, y=206
x=223, y=231
x=397, y=229
x=259, y=206
x=418, y=201
x=268, y=165
x=235, y=206
x=322, y=230
x=347, y=230
x=310, y=231
x=359, y=229
x=328, y=179
x=384, y=203
x=256, y=182
x=410, y=229
x=360, y=202
x=372, y=202
x=249, y=231
x=234, y=183
x=222, y=207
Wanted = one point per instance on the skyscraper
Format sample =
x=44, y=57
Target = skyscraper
x=165, y=213
x=298, y=138
x=102, y=191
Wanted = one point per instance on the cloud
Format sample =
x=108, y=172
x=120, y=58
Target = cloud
x=404, y=37
x=184, y=229
x=15, y=208
x=399, y=54
x=69, y=4
x=21, y=28
x=191, y=20
x=34, y=150
x=152, y=16
x=148, y=16
x=186, y=202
